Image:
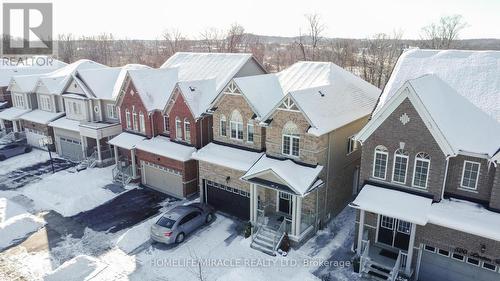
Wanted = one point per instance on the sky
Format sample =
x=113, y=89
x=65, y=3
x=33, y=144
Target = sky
x=147, y=19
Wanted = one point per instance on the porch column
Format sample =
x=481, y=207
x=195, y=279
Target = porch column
x=2, y=124
x=361, y=227
x=294, y=215
x=253, y=203
x=99, y=157
x=84, y=145
x=298, y=215
x=115, y=148
x=132, y=159
x=14, y=126
x=410, y=249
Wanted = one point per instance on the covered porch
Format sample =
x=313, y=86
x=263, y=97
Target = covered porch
x=387, y=248
x=10, y=119
x=124, y=150
x=94, y=138
x=283, y=199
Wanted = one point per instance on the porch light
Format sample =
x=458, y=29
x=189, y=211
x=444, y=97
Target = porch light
x=483, y=248
x=228, y=178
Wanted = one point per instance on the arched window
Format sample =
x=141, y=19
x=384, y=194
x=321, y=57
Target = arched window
x=142, y=123
x=236, y=125
x=400, y=166
x=187, y=130
x=290, y=139
x=223, y=126
x=178, y=128
x=127, y=117
x=135, y=121
x=421, y=170
x=380, y=162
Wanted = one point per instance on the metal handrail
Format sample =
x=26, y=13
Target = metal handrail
x=279, y=234
x=395, y=270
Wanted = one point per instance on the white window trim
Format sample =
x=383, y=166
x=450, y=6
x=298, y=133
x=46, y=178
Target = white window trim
x=463, y=174
x=45, y=103
x=392, y=223
x=394, y=167
x=467, y=261
x=415, y=169
x=135, y=121
x=249, y=124
x=374, y=160
x=166, y=124
x=493, y=270
x=236, y=123
x=178, y=128
x=111, y=111
x=291, y=145
x=17, y=98
x=223, y=126
x=187, y=125
x=142, y=123
x=128, y=119
x=351, y=145
x=449, y=253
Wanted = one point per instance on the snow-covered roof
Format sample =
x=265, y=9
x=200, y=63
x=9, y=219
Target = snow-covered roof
x=28, y=67
x=154, y=85
x=13, y=113
x=226, y=156
x=41, y=116
x=57, y=80
x=198, y=95
x=328, y=95
x=164, y=147
x=106, y=83
x=126, y=140
x=298, y=177
x=25, y=83
x=199, y=66
x=392, y=203
x=66, y=124
x=473, y=74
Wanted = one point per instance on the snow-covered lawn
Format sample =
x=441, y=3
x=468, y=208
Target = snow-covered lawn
x=24, y=160
x=78, y=268
x=16, y=223
x=71, y=193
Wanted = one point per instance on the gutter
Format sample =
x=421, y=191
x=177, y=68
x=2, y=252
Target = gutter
x=445, y=175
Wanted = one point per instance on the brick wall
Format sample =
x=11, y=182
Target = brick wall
x=133, y=101
x=180, y=110
x=417, y=138
x=219, y=174
x=495, y=191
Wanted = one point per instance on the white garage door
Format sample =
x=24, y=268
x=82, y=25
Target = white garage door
x=442, y=265
x=162, y=179
x=33, y=137
x=71, y=148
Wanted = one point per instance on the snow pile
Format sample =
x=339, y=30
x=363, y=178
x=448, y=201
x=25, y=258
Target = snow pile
x=16, y=223
x=77, y=269
x=72, y=193
x=24, y=160
x=136, y=236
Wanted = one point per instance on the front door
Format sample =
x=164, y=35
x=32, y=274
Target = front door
x=393, y=232
x=285, y=203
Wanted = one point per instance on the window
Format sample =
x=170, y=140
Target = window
x=489, y=266
x=444, y=252
x=166, y=125
x=111, y=110
x=421, y=170
x=380, y=162
x=457, y=257
x=250, y=131
x=45, y=103
x=142, y=122
x=351, y=143
x=119, y=113
x=430, y=248
x=291, y=140
x=470, y=175
x=187, y=130
x=236, y=125
x=135, y=121
x=19, y=101
x=222, y=128
x=400, y=166
x=404, y=227
x=127, y=117
x=178, y=128
x=473, y=261
x=387, y=222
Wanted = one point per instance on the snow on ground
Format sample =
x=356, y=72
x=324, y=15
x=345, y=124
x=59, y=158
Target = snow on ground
x=79, y=268
x=24, y=160
x=136, y=236
x=16, y=223
x=71, y=193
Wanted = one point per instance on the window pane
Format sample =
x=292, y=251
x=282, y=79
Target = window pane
x=295, y=146
x=421, y=173
x=233, y=130
x=240, y=131
x=223, y=128
x=380, y=165
x=470, y=175
x=400, y=164
x=250, y=132
x=286, y=145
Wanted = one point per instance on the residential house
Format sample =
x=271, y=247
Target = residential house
x=282, y=155
x=429, y=205
x=164, y=117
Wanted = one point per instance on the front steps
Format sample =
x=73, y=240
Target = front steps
x=376, y=271
x=264, y=240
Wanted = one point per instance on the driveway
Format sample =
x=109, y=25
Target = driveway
x=22, y=176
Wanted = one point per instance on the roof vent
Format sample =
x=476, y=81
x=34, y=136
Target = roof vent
x=192, y=88
x=321, y=93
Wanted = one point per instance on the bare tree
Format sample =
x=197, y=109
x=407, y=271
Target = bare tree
x=235, y=38
x=316, y=28
x=301, y=45
x=212, y=39
x=441, y=35
x=174, y=41
x=66, y=47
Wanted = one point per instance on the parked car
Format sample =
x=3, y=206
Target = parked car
x=13, y=149
x=174, y=225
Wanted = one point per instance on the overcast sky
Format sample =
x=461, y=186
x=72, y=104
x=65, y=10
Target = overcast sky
x=146, y=19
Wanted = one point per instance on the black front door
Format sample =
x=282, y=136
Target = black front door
x=285, y=203
x=394, y=232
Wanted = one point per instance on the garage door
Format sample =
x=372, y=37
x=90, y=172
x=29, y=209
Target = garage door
x=71, y=148
x=162, y=179
x=437, y=264
x=33, y=137
x=228, y=200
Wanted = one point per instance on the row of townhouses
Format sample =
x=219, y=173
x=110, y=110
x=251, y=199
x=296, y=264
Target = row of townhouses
x=288, y=151
x=429, y=203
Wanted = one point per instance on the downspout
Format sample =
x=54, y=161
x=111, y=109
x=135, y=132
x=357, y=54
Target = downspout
x=152, y=124
x=328, y=172
x=201, y=131
x=445, y=175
